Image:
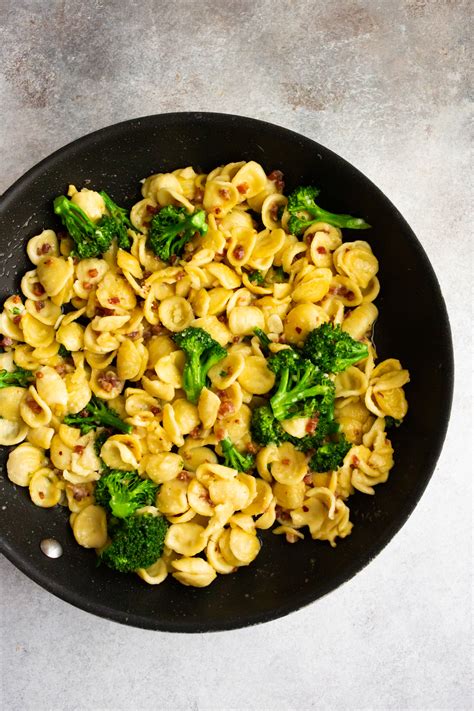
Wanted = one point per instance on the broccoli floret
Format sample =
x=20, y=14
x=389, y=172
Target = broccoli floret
x=330, y=456
x=235, y=459
x=137, y=542
x=391, y=422
x=172, y=227
x=331, y=349
x=97, y=414
x=202, y=352
x=91, y=239
x=301, y=388
x=264, y=428
x=20, y=377
x=256, y=278
x=304, y=211
x=122, y=493
x=325, y=427
x=118, y=221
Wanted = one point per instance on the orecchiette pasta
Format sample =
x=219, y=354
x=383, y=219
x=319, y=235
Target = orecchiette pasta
x=93, y=383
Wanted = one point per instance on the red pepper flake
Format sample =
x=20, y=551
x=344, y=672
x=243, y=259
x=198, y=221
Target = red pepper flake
x=224, y=193
x=44, y=249
x=239, y=252
x=16, y=319
x=321, y=250
x=243, y=188
x=92, y=273
x=114, y=300
x=16, y=299
x=217, y=210
x=285, y=461
x=155, y=410
x=79, y=449
x=308, y=480
x=37, y=289
x=39, y=305
x=87, y=285
x=355, y=461
x=39, y=375
x=305, y=508
x=180, y=275
x=298, y=329
x=48, y=262
x=41, y=495
x=236, y=339
x=350, y=296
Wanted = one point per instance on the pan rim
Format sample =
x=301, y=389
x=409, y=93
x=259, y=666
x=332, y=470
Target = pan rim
x=245, y=619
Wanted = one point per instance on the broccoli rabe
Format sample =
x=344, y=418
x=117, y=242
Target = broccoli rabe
x=122, y=493
x=172, y=227
x=93, y=238
x=263, y=338
x=117, y=219
x=265, y=428
x=301, y=388
x=202, y=352
x=20, y=377
x=330, y=455
x=235, y=459
x=97, y=414
x=137, y=542
x=304, y=212
x=99, y=442
x=331, y=349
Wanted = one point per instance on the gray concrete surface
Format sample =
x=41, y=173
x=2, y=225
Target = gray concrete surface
x=385, y=85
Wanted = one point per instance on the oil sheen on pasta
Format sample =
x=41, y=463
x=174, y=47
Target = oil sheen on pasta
x=121, y=312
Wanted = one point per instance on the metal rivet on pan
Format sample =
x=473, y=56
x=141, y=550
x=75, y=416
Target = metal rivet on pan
x=51, y=547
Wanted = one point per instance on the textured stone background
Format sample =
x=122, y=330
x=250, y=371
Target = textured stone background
x=384, y=84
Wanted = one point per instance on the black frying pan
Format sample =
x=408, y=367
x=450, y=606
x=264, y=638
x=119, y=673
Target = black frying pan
x=413, y=326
